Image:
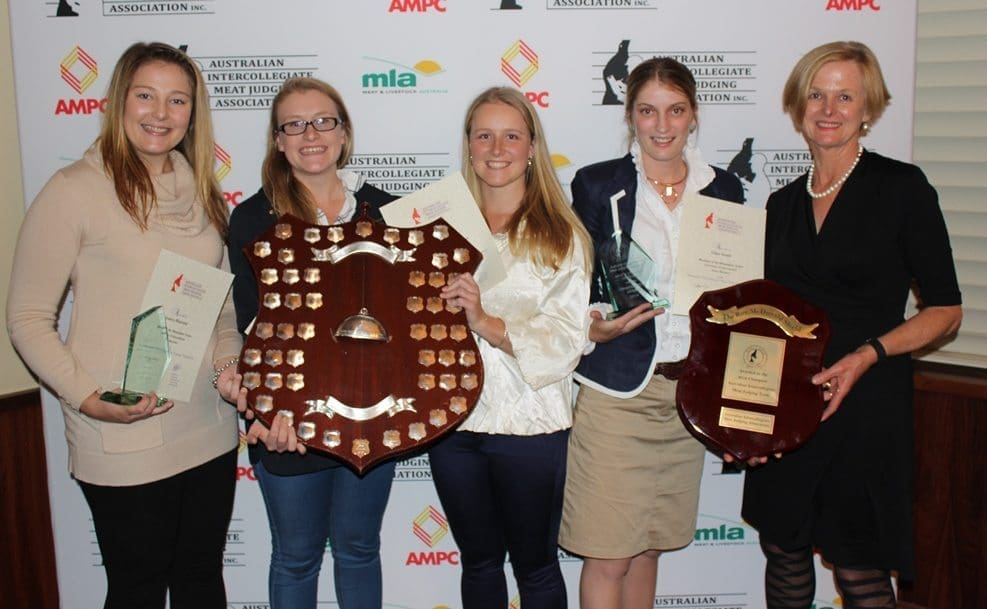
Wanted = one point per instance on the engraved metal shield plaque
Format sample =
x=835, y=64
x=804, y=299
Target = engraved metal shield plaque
x=353, y=341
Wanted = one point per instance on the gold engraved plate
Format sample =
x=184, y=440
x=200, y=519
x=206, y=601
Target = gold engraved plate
x=392, y=236
x=312, y=235
x=251, y=380
x=426, y=381
x=293, y=300
x=306, y=430
x=467, y=358
x=284, y=412
x=296, y=358
x=438, y=332
x=458, y=332
x=753, y=369
x=264, y=404
x=335, y=234
x=416, y=278
x=418, y=331
x=436, y=279
x=747, y=420
x=426, y=357
x=262, y=249
x=286, y=255
x=274, y=381
x=273, y=358
x=447, y=382
x=313, y=300
x=306, y=330
x=361, y=447
x=268, y=276
x=415, y=304
x=392, y=438
x=282, y=231
x=332, y=438
x=251, y=357
x=440, y=232
x=290, y=276
x=312, y=275
x=447, y=357
x=295, y=381
x=416, y=237
x=457, y=405
x=469, y=381
x=461, y=255
x=452, y=308
x=286, y=331
x=417, y=431
x=364, y=229
x=435, y=304
x=437, y=418
x=272, y=300
x=440, y=260
x=264, y=330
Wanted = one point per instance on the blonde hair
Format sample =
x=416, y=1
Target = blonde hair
x=544, y=224
x=130, y=176
x=285, y=192
x=795, y=95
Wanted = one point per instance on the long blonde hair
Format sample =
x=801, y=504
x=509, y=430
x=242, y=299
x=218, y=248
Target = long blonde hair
x=285, y=192
x=130, y=176
x=543, y=226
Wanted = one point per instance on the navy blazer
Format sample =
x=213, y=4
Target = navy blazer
x=247, y=222
x=624, y=363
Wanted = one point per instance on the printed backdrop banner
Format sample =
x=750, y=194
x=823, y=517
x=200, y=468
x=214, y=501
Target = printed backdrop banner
x=407, y=69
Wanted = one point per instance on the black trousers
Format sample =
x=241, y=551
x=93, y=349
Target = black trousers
x=166, y=537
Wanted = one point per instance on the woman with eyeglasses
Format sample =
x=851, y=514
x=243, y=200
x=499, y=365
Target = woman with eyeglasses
x=310, y=497
x=158, y=477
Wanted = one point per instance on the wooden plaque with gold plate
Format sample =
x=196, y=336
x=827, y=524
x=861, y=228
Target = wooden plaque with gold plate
x=746, y=388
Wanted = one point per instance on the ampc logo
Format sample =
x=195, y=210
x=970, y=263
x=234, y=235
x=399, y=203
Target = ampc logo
x=430, y=526
x=416, y=6
x=79, y=71
x=851, y=5
x=224, y=163
x=520, y=63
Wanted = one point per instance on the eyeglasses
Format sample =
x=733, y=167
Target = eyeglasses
x=322, y=123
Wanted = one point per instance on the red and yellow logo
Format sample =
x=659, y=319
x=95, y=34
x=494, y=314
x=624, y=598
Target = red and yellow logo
x=432, y=533
x=527, y=64
x=224, y=163
x=79, y=78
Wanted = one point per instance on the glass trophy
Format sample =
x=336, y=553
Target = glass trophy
x=629, y=275
x=148, y=357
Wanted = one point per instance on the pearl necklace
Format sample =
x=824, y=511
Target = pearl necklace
x=837, y=183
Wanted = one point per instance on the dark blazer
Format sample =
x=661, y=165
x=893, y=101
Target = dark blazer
x=247, y=222
x=623, y=363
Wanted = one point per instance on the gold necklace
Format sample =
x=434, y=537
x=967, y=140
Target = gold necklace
x=667, y=189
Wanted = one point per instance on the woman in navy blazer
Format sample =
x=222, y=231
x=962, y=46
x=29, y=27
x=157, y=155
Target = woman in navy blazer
x=632, y=485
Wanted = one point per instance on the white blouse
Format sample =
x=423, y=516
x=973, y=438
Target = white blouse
x=531, y=392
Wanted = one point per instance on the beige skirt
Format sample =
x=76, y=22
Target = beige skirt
x=632, y=478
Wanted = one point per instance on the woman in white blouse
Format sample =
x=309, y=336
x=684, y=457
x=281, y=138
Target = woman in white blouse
x=500, y=477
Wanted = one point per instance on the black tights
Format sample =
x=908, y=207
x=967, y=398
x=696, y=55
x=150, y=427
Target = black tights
x=790, y=582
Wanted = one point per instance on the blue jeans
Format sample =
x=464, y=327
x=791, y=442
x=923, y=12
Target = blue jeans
x=503, y=495
x=335, y=505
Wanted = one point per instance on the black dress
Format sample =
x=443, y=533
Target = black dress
x=848, y=491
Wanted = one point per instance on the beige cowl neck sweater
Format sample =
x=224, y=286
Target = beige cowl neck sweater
x=76, y=234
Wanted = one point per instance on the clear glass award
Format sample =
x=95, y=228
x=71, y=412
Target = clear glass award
x=629, y=275
x=148, y=357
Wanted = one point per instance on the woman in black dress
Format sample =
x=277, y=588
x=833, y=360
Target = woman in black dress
x=852, y=236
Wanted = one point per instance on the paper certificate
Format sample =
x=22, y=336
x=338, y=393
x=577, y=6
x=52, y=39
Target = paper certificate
x=450, y=198
x=720, y=244
x=192, y=295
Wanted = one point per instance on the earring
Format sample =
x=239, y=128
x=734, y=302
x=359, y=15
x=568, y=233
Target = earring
x=864, y=127
x=692, y=128
x=529, y=161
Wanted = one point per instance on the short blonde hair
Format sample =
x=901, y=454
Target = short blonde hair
x=796, y=92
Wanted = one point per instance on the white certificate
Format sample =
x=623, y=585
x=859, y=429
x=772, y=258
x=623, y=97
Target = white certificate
x=450, y=199
x=192, y=295
x=720, y=244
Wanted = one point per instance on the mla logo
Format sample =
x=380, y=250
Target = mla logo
x=224, y=163
x=528, y=63
x=416, y=6
x=399, y=78
x=851, y=5
x=88, y=72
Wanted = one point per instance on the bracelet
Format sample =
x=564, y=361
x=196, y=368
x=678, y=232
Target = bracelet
x=503, y=339
x=875, y=344
x=218, y=371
